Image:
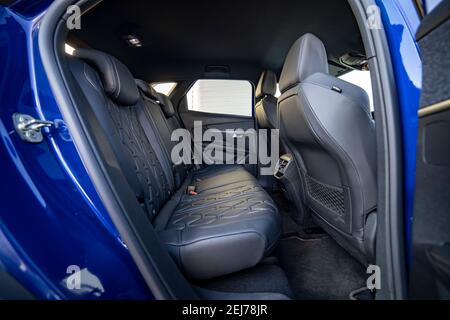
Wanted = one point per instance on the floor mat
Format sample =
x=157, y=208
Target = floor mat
x=262, y=278
x=320, y=269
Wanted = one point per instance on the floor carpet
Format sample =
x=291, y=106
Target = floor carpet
x=319, y=268
x=265, y=277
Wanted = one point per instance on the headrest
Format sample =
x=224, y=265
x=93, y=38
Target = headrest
x=118, y=82
x=267, y=84
x=306, y=57
x=147, y=89
x=166, y=105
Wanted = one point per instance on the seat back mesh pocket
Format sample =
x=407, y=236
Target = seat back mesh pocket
x=331, y=198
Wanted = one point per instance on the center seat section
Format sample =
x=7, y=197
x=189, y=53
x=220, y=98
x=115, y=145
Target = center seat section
x=161, y=116
x=230, y=224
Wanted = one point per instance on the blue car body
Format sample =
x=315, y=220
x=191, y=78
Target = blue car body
x=49, y=207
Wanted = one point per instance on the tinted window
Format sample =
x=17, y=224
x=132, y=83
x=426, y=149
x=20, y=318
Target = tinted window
x=231, y=97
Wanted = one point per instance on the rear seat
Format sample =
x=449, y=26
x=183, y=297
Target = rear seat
x=229, y=225
x=160, y=114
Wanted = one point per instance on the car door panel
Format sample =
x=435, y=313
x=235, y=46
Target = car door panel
x=430, y=261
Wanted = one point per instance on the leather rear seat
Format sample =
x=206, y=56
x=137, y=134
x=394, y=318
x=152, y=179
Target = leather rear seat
x=161, y=119
x=230, y=225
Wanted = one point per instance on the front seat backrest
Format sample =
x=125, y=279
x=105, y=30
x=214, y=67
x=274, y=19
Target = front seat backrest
x=327, y=125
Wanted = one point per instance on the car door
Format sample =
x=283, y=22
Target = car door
x=223, y=107
x=430, y=261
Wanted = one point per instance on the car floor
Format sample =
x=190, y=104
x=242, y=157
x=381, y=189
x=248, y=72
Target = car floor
x=319, y=269
x=304, y=266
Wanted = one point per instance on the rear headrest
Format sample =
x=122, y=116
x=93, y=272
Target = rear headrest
x=166, y=105
x=306, y=57
x=164, y=101
x=267, y=84
x=147, y=89
x=118, y=82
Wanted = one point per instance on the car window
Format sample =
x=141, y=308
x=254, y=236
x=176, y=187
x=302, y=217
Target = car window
x=278, y=92
x=362, y=80
x=164, y=87
x=431, y=4
x=230, y=97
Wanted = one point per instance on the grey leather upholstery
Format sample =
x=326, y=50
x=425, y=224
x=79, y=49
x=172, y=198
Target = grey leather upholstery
x=306, y=57
x=327, y=125
x=231, y=224
x=266, y=106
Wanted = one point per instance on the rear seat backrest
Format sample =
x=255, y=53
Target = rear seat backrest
x=157, y=107
x=111, y=91
x=172, y=119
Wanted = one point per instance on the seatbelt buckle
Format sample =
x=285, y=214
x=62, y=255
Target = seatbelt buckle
x=191, y=191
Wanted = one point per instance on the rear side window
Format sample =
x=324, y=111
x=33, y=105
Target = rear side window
x=362, y=80
x=164, y=87
x=431, y=4
x=229, y=97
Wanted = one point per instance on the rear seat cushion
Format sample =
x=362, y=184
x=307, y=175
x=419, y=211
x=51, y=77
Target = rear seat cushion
x=231, y=224
x=225, y=228
x=215, y=176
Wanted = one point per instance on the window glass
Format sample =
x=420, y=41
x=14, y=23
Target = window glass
x=231, y=97
x=431, y=4
x=278, y=92
x=361, y=79
x=164, y=87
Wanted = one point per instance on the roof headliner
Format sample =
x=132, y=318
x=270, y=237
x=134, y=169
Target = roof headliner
x=180, y=39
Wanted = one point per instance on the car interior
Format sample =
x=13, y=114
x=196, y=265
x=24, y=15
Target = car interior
x=308, y=230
